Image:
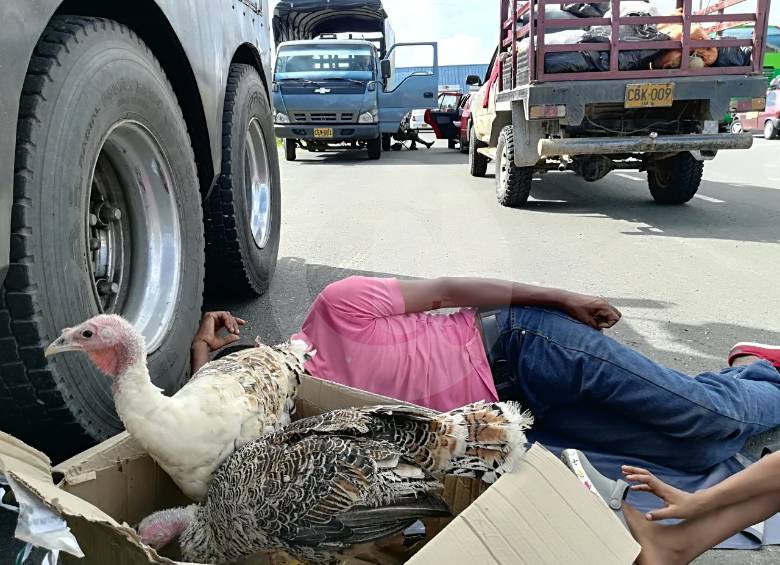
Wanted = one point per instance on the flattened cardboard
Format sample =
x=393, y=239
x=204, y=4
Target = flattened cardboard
x=540, y=515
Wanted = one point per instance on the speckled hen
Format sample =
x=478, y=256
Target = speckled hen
x=226, y=404
x=347, y=477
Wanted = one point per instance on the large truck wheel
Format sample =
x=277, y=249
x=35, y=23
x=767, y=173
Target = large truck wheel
x=478, y=163
x=290, y=146
x=106, y=218
x=243, y=212
x=675, y=180
x=387, y=141
x=513, y=183
x=374, y=148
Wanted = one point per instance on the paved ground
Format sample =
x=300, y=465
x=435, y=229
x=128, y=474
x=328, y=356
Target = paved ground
x=690, y=280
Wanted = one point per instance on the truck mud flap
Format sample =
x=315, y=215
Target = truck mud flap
x=657, y=144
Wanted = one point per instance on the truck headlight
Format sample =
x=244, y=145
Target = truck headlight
x=282, y=118
x=368, y=117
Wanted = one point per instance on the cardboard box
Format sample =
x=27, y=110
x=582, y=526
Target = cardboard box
x=539, y=515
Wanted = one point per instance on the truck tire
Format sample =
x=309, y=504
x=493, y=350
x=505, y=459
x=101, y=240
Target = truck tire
x=675, y=180
x=374, y=147
x=478, y=163
x=387, y=141
x=243, y=212
x=452, y=144
x=513, y=183
x=89, y=182
x=770, y=131
x=290, y=149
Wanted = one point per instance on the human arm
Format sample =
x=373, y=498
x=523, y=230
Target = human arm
x=761, y=478
x=208, y=339
x=425, y=295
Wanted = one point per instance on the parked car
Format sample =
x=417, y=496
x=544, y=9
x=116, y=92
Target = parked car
x=417, y=120
x=768, y=120
x=463, y=123
x=446, y=119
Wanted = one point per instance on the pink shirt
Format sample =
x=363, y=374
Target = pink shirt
x=364, y=340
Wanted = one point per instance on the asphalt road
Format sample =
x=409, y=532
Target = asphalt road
x=690, y=280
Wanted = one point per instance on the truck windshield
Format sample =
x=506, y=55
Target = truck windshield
x=319, y=62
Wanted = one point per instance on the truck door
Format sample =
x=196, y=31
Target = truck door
x=413, y=89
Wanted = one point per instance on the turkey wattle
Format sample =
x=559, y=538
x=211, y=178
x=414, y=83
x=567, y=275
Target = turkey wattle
x=347, y=477
x=226, y=404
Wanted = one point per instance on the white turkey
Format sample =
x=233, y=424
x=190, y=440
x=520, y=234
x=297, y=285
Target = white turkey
x=344, y=478
x=226, y=404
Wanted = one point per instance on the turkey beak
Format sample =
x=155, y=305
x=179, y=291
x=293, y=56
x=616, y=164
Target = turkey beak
x=61, y=345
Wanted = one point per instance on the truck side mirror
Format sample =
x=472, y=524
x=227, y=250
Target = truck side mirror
x=386, y=68
x=473, y=80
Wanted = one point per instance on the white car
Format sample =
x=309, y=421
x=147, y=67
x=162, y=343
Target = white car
x=417, y=121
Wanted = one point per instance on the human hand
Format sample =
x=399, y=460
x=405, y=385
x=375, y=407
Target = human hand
x=591, y=310
x=680, y=505
x=210, y=327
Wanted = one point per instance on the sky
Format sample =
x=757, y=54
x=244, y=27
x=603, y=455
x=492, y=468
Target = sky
x=467, y=30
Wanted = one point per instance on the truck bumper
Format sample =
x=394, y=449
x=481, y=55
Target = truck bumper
x=341, y=132
x=659, y=144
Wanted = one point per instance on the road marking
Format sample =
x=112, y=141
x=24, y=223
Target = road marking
x=625, y=176
x=709, y=199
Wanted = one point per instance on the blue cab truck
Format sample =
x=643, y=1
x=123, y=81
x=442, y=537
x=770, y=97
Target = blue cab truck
x=137, y=162
x=336, y=92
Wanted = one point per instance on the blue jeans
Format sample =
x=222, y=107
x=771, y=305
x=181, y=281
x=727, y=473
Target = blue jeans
x=583, y=385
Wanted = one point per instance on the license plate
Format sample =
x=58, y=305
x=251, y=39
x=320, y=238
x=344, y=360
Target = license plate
x=650, y=95
x=323, y=132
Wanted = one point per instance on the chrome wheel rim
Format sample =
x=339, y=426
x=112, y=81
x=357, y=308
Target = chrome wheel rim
x=134, y=233
x=257, y=181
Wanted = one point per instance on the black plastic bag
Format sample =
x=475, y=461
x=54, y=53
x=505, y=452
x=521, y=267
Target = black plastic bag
x=593, y=10
x=572, y=62
x=734, y=57
x=637, y=60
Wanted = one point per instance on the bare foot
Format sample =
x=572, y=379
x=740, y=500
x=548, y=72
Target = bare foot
x=658, y=542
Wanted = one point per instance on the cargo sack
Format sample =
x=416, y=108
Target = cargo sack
x=637, y=60
x=594, y=10
x=734, y=57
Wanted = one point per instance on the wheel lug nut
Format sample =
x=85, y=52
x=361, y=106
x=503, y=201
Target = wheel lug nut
x=110, y=214
x=93, y=220
x=107, y=288
x=94, y=244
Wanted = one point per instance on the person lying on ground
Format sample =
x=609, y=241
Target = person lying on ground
x=542, y=347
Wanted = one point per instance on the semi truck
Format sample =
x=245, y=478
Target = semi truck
x=137, y=160
x=334, y=84
x=605, y=103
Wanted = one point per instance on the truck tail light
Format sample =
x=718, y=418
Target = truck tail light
x=547, y=112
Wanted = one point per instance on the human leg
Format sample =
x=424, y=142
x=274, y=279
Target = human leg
x=560, y=363
x=683, y=542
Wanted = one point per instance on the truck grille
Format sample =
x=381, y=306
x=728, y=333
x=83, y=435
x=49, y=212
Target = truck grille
x=323, y=117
